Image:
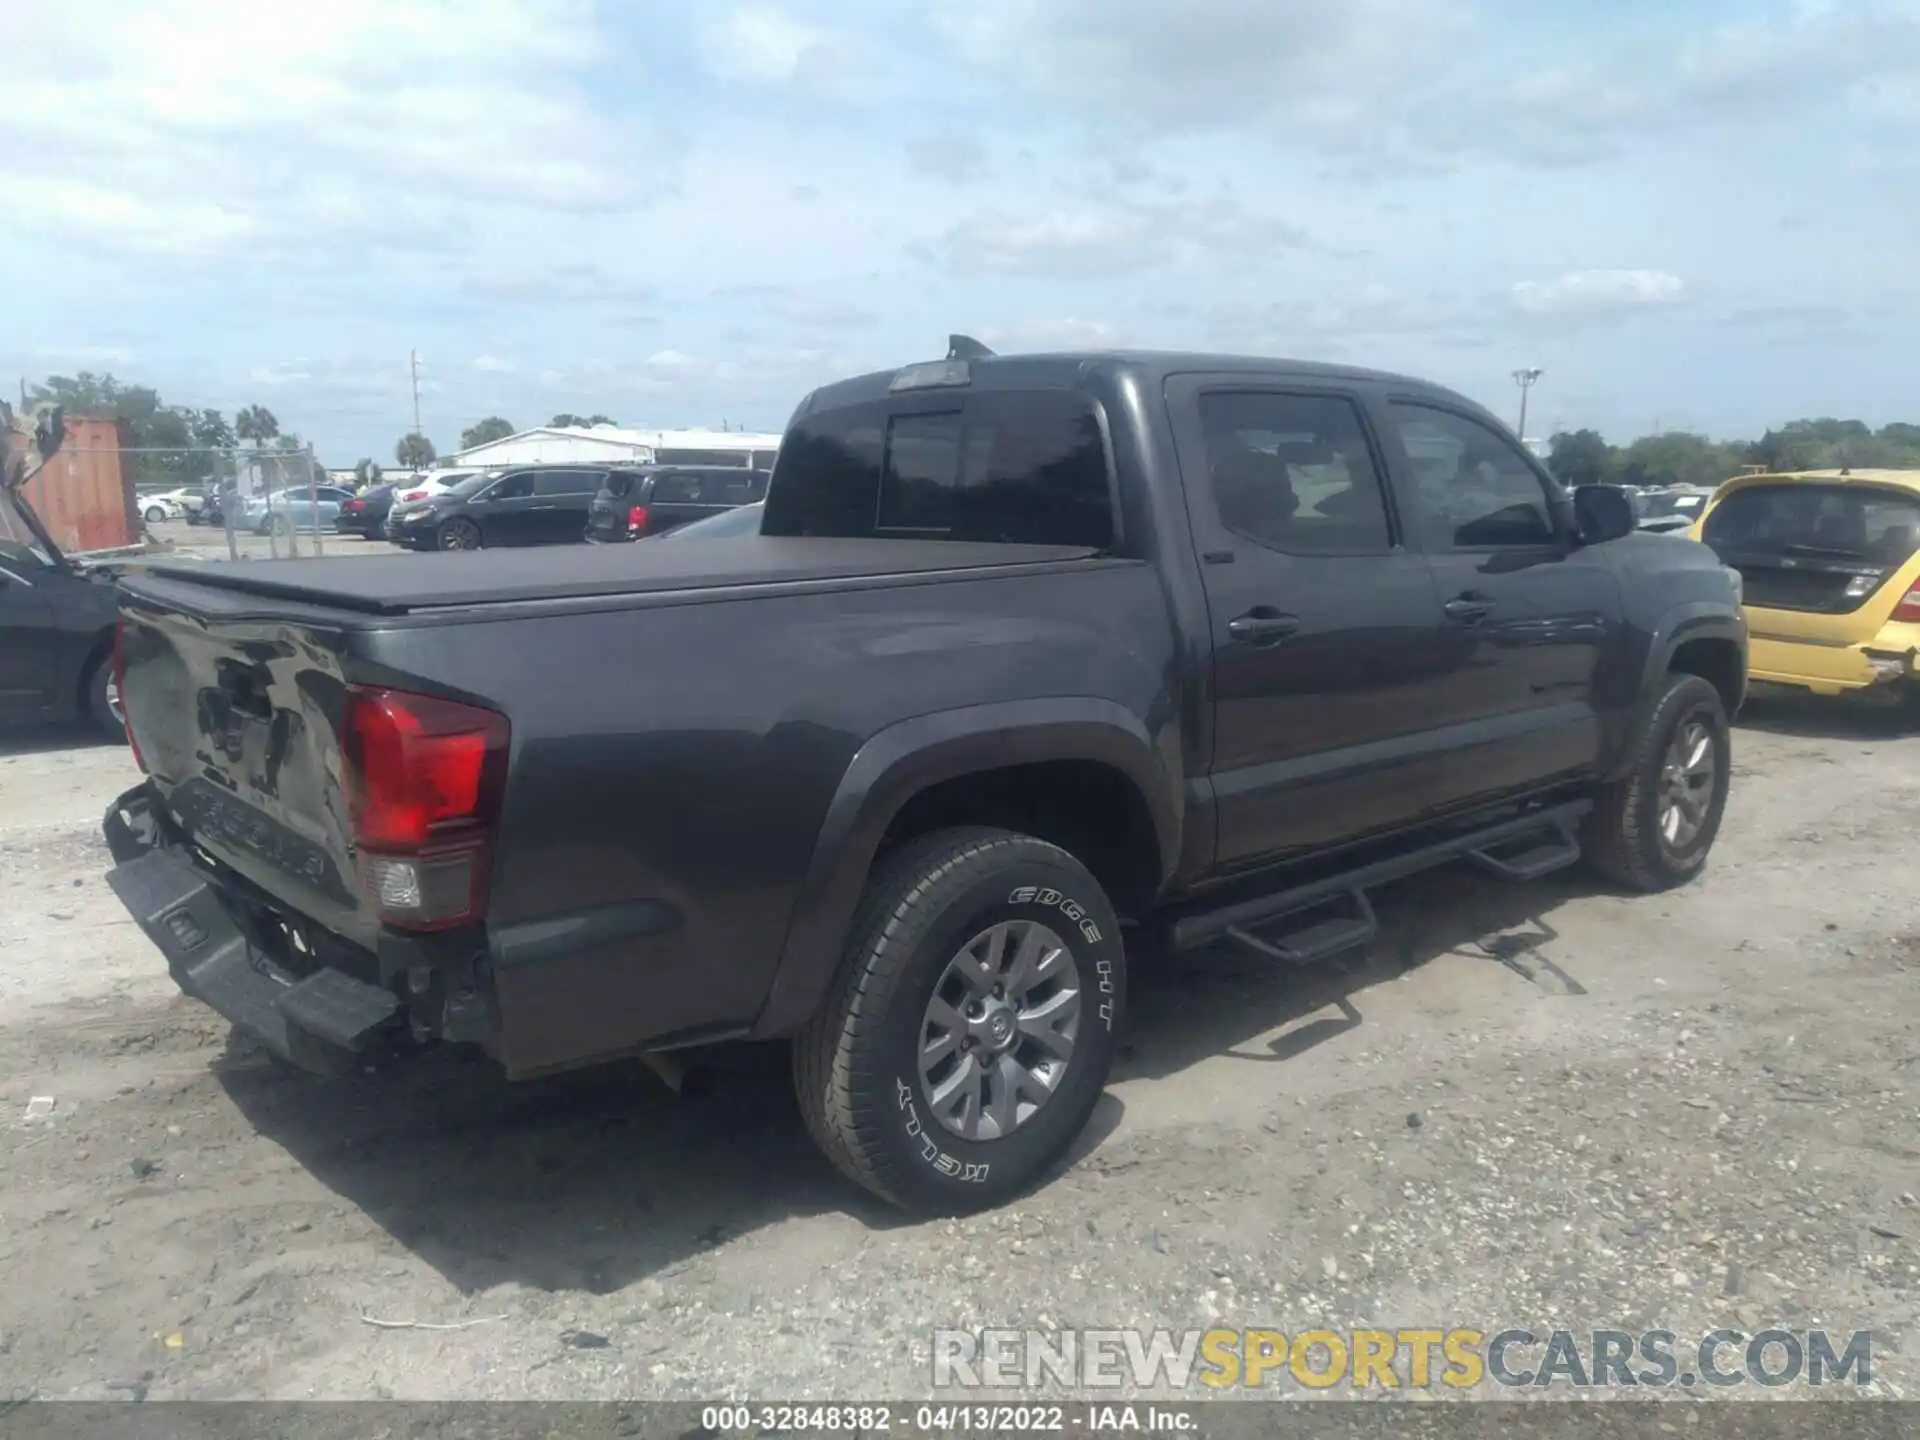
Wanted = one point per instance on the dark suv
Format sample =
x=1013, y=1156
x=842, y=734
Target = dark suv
x=530, y=505
x=645, y=500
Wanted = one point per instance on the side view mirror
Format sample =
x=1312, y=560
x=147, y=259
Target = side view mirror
x=1603, y=513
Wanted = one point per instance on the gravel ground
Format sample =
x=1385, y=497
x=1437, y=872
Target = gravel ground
x=209, y=542
x=1544, y=1107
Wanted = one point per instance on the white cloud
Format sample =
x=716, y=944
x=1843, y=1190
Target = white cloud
x=954, y=158
x=206, y=124
x=493, y=365
x=1069, y=333
x=1399, y=80
x=1099, y=238
x=281, y=372
x=1210, y=62
x=760, y=43
x=1592, y=293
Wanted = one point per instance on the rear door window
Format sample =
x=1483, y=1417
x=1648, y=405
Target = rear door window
x=1019, y=467
x=567, y=482
x=734, y=487
x=1294, y=472
x=680, y=489
x=512, y=487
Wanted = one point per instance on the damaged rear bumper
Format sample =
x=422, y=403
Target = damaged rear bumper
x=324, y=1021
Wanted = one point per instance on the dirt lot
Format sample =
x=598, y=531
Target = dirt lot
x=1683, y=1112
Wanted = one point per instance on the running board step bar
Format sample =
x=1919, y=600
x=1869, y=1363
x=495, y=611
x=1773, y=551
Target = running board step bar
x=1545, y=840
x=1541, y=856
x=1316, y=940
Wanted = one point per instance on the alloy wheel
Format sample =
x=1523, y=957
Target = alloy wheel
x=999, y=1031
x=1687, y=779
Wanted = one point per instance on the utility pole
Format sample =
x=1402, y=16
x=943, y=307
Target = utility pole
x=1525, y=379
x=413, y=361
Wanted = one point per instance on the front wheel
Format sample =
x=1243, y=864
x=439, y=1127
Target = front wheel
x=458, y=535
x=155, y=514
x=1652, y=829
x=969, y=1033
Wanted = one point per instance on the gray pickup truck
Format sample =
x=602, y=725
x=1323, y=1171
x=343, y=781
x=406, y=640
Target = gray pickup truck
x=1031, y=655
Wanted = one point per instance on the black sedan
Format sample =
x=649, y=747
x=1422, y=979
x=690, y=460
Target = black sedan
x=365, y=514
x=57, y=621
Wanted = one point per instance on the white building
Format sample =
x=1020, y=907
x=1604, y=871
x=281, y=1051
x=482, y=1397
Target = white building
x=600, y=444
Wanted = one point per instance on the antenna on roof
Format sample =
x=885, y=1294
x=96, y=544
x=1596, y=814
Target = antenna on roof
x=965, y=347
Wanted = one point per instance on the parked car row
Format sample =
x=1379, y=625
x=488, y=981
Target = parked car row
x=549, y=505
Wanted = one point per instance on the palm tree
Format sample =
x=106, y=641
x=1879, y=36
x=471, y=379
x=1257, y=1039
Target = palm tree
x=256, y=423
x=414, y=452
x=366, y=474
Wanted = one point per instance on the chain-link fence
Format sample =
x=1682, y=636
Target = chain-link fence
x=247, y=501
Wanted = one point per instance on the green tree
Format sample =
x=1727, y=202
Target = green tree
x=491, y=428
x=1580, y=457
x=210, y=429
x=414, y=452
x=1677, y=458
x=154, y=432
x=1792, y=447
x=566, y=420
x=366, y=474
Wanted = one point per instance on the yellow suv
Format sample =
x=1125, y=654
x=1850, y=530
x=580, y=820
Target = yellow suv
x=1830, y=564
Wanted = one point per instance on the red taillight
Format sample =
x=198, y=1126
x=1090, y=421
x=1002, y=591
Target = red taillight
x=355, y=506
x=1909, y=606
x=637, y=519
x=414, y=495
x=120, y=689
x=424, y=778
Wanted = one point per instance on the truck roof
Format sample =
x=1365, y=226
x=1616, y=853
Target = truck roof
x=1148, y=366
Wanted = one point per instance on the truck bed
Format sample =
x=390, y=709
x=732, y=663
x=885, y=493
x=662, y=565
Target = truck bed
x=407, y=584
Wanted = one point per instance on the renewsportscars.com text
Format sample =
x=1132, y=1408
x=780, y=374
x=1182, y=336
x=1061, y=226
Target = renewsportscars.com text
x=1417, y=1359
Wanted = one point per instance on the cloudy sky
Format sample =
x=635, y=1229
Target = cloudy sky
x=1699, y=215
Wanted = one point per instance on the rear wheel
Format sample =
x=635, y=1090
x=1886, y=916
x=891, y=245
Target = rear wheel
x=103, y=700
x=155, y=514
x=1652, y=829
x=971, y=1028
x=458, y=534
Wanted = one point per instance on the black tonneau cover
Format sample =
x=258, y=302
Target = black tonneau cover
x=404, y=584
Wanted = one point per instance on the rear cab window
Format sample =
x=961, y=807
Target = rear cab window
x=1016, y=467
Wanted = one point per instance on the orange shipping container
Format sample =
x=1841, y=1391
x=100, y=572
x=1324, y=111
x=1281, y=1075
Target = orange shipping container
x=84, y=494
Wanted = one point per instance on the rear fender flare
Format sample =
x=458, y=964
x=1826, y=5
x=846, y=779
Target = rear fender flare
x=1701, y=621
x=905, y=759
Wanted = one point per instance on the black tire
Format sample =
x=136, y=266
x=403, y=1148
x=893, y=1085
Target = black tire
x=1622, y=838
x=99, y=700
x=855, y=1064
x=457, y=534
